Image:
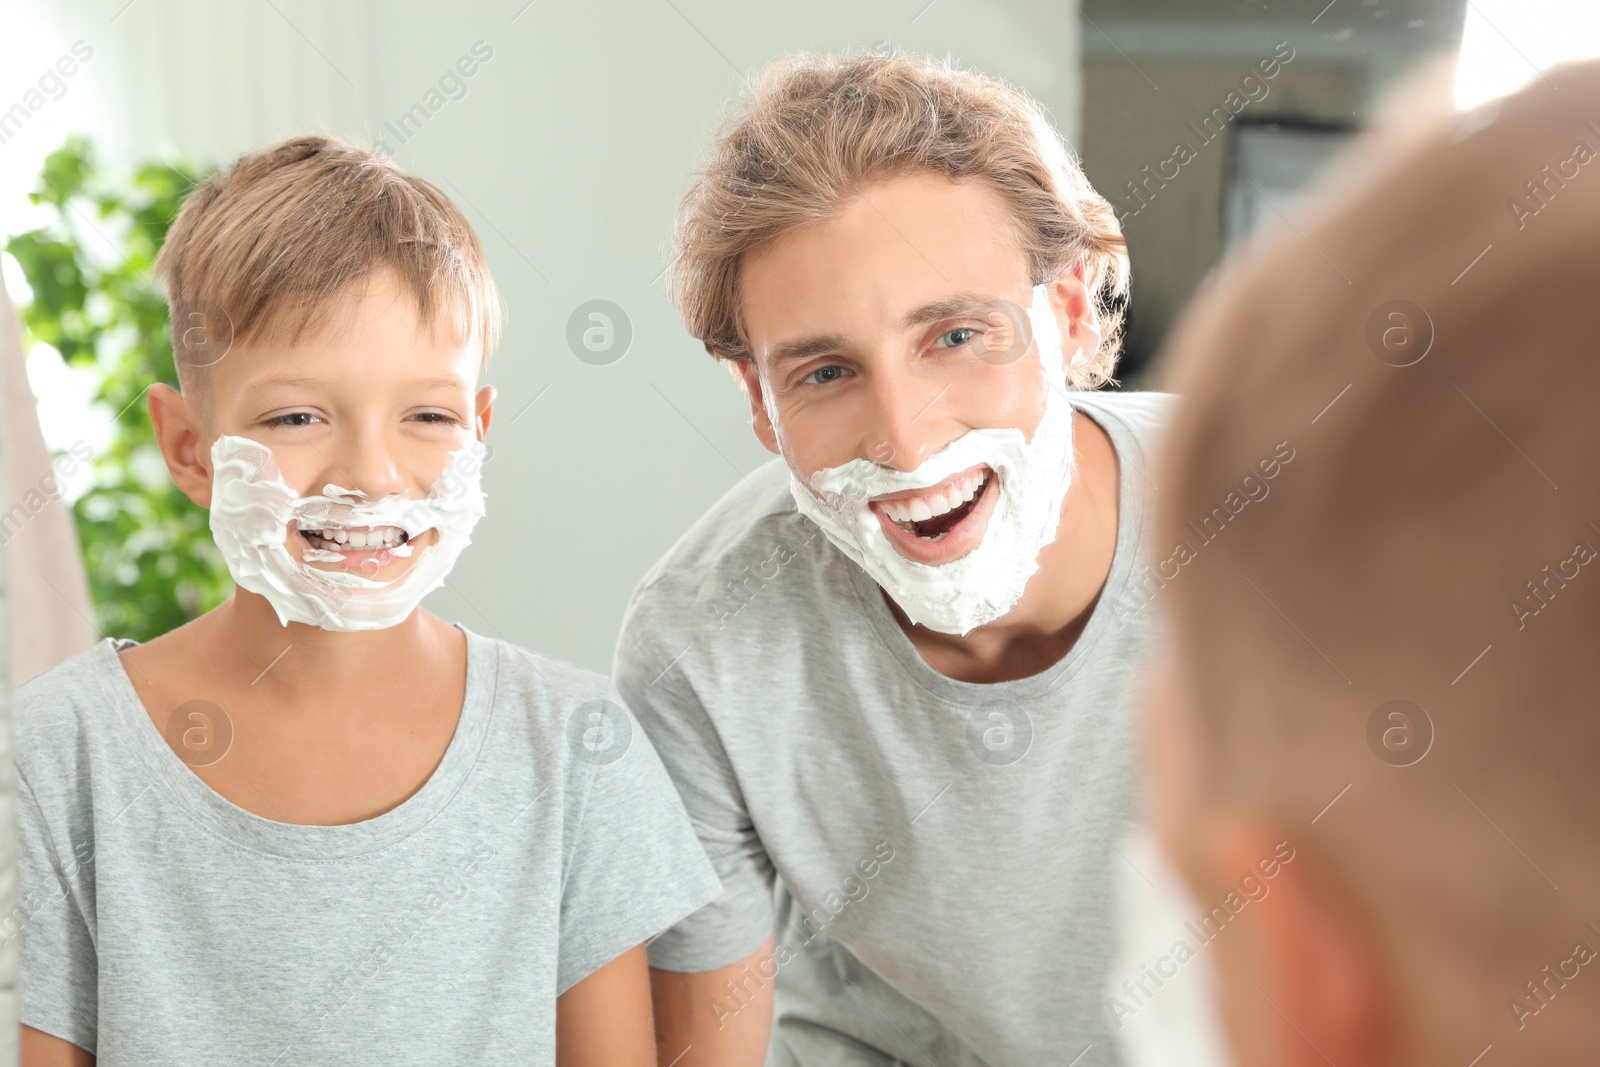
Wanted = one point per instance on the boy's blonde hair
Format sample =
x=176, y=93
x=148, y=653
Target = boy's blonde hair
x=817, y=128
x=1426, y=347
x=265, y=249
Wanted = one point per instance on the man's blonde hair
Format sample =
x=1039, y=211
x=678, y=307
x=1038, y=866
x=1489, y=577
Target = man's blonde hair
x=817, y=128
x=268, y=247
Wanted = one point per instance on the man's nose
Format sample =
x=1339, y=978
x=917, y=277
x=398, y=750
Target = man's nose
x=906, y=420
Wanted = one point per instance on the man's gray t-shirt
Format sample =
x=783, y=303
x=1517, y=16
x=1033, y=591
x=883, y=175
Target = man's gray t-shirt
x=160, y=923
x=942, y=849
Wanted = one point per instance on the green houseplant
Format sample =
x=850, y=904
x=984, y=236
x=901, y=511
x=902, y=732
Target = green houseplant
x=151, y=562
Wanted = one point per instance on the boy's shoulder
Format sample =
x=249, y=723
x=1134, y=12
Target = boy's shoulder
x=550, y=703
x=535, y=679
x=82, y=675
x=68, y=727
x=67, y=696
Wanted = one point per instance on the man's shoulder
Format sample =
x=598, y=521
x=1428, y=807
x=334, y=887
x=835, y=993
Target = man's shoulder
x=725, y=562
x=1143, y=413
x=744, y=527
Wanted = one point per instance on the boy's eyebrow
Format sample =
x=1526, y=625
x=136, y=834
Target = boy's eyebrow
x=439, y=382
x=274, y=381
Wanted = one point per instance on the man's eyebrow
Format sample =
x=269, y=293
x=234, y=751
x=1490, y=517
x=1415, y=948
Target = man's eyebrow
x=950, y=307
x=805, y=348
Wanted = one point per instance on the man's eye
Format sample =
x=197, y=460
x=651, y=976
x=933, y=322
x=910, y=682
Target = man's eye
x=954, y=338
x=824, y=375
x=294, y=418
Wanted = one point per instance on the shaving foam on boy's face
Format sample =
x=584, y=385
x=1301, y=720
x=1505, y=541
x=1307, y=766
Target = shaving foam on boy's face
x=955, y=540
x=346, y=573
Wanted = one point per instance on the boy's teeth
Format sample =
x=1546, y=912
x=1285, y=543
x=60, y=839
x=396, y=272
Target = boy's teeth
x=381, y=537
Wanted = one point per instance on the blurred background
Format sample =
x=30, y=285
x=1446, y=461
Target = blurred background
x=568, y=145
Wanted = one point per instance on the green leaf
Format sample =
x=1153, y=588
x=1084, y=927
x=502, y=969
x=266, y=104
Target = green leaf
x=152, y=565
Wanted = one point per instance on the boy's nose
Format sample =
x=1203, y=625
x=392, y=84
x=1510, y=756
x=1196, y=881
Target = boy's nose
x=370, y=464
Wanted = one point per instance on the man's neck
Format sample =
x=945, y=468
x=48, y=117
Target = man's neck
x=1061, y=595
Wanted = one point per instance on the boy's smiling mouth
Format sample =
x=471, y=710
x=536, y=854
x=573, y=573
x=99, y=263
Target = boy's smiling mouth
x=367, y=547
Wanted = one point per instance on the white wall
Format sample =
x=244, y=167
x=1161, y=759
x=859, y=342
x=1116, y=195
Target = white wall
x=569, y=152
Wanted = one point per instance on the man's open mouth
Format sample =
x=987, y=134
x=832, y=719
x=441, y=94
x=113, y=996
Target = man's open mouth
x=932, y=513
x=349, y=541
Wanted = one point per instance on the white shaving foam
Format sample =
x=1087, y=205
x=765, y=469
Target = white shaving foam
x=253, y=512
x=981, y=586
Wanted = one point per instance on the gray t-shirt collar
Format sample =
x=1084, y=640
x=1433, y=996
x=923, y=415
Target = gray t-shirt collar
x=245, y=828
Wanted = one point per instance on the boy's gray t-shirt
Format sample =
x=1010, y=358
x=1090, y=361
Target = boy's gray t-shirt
x=934, y=855
x=160, y=923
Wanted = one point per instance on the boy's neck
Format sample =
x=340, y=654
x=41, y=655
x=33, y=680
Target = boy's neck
x=325, y=728
x=299, y=663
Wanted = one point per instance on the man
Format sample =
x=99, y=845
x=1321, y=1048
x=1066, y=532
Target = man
x=892, y=673
x=1388, y=673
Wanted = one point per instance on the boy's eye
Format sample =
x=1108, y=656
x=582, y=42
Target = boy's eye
x=294, y=418
x=955, y=338
x=823, y=375
x=441, y=417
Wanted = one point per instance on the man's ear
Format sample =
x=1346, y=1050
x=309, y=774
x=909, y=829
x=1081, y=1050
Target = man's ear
x=749, y=378
x=181, y=436
x=1304, y=976
x=484, y=410
x=1080, y=326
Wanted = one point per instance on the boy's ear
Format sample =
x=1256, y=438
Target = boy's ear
x=744, y=372
x=1305, y=977
x=181, y=437
x=484, y=410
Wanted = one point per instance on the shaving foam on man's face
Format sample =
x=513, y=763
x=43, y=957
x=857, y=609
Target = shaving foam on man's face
x=955, y=540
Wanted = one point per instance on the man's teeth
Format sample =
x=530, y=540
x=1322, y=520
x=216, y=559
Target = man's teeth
x=919, y=508
x=370, y=539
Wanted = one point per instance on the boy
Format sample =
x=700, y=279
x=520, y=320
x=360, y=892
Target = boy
x=318, y=824
x=1387, y=674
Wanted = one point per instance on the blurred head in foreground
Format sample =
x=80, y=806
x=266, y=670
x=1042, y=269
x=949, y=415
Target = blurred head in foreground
x=1387, y=656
